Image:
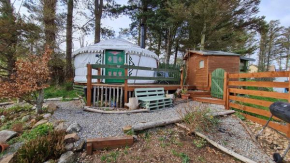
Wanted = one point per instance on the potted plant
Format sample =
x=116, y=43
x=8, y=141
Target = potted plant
x=184, y=94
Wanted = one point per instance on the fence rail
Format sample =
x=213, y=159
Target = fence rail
x=254, y=104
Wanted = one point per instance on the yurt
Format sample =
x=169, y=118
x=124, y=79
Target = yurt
x=114, y=52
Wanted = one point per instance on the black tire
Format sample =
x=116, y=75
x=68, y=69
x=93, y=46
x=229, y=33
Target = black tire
x=277, y=158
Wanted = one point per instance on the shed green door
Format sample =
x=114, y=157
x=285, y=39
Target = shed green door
x=217, y=83
x=114, y=57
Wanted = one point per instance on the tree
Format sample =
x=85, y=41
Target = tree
x=29, y=79
x=69, y=27
x=98, y=15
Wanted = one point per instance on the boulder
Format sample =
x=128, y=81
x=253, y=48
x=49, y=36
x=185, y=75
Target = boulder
x=46, y=116
x=70, y=138
x=51, y=107
x=69, y=146
x=67, y=157
x=5, y=135
x=25, y=118
x=80, y=147
x=75, y=127
x=43, y=121
x=60, y=126
x=7, y=158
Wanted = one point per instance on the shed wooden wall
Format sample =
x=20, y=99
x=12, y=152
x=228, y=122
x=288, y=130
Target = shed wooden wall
x=196, y=76
x=230, y=64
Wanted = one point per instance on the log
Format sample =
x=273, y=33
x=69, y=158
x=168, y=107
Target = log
x=222, y=148
x=144, y=126
x=114, y=112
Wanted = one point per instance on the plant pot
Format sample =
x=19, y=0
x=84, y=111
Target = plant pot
x=3, y=147
x=185, y=96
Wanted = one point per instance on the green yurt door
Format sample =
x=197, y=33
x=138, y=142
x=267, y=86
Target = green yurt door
x=114, y=57
x=217, y=83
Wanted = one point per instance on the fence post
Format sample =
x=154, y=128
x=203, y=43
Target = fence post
x=99, y=73
x=181, y=78
x=126, y=87
x=225, y=96
x=209, y=81
x=288, y=125
x=89, y=84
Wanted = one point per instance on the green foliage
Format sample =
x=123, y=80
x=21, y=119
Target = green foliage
x=46, y=147
x=183, y=156
x=64, y=91
x=199, y=143
x=38, y=131
x=111, y=157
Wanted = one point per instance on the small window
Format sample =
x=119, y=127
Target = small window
x=201, y=64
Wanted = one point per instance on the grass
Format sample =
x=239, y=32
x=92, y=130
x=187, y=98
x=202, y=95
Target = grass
x=183, y=156
x=200, y=143
x=111, y=157
x=64, y=91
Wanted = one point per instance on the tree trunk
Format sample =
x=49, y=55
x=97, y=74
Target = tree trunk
x=98, y=16
x=39, y=101
x=176, y=51
x=159, y=45
x=69, y=69
x=203, y=37
x=49, y=17
x=168, y=47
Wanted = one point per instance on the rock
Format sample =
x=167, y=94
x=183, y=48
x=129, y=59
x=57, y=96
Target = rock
x=34, y=107
x=43, y=121
x=60, y=126
x=80, y=146
x=75, y=127
x=7, y=158
x=67, y=157
x=25, y=118
x=33, y=121
x=51, y=107
x=5, y=135
x=135, y=138
x=2, y=118
x=46, y=116
x=70, y=138
x=69, y=146
x=50, y=161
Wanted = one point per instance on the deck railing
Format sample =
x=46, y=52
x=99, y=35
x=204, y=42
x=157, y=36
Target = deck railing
x=174, y=75
x=252, y=97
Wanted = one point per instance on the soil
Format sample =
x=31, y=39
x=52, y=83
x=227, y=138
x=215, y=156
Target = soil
x=167, y=144
x=271, y=140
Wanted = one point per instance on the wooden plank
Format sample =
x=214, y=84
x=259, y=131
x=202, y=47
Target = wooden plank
x=126, y=89
x=225, y=86
x=121, y=97
x=105, y=93
x=259, y=84
x=110, y=142
x=99, y=73
x=273, y=125
x=117, y=99
x=251, y=101
x=260, y=93
x=210, y=100
x=89, y=148
x=110, y=96
x=89, y=85
x=252, y=110
x=260, y=75
x=98, y=95
x=94, y=96
x=133, y=78
x=102, y=94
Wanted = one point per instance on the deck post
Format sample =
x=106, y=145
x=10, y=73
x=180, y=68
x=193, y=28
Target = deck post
x=288, y=125
x=181, y=78
x=225, y=97
x=126, y=88
x=99, y=73
x=89, y=84
x=209, y=81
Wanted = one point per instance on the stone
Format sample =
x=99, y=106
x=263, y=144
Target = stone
x=67, y=157
x=80, y=147
x=33, y=121
x=135, y=138
x=75, y=127
x=46, y=116
x=7, y=158
x=43, y=121
x=60, y=126
x=34, y=107
x=5, y=135
x=50, y=161
x=69, y=146
x=51, y=107
x=70, y=138
x=2, y=118
x=25, y=118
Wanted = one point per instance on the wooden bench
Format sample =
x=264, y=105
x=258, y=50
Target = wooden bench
x=152, y=98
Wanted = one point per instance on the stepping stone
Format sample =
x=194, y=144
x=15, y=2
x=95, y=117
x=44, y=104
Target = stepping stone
x=70, y=138
x=67, y=157
x=5, y=135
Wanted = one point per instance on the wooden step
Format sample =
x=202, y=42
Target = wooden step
x=210, y=100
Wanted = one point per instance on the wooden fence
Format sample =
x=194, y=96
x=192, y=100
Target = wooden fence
x=175, y=75
x=253, y=104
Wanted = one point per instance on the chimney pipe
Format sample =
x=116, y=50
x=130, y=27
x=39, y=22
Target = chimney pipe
x=142, y=44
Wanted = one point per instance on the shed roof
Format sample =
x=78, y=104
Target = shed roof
x=116, y=44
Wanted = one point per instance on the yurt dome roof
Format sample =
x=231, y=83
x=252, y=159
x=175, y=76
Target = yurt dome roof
x=116, y=44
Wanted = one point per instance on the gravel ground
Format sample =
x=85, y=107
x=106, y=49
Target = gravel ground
x=94, y=125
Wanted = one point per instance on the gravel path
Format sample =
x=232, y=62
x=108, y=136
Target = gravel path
x=95, y=125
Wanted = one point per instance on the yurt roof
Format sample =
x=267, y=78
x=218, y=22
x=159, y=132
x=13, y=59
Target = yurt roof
x=116, y=44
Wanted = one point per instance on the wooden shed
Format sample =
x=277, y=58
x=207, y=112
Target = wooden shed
x=202, y=63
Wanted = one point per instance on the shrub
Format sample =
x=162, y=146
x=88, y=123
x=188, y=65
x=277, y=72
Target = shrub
x=42, y=148
x=40, y=130
x=198, y=118
x=18, y=127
